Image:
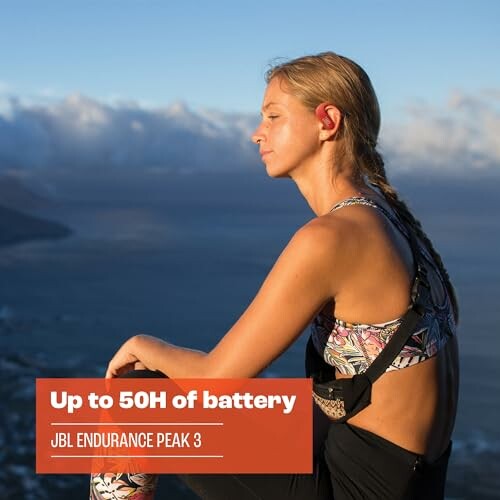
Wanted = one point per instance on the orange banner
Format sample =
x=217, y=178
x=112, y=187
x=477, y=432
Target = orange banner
x=173, y=426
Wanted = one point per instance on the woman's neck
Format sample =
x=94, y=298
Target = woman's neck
x=322, y=191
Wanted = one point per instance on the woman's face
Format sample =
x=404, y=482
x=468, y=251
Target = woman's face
x=288, y=135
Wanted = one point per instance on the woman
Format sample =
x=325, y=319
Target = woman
x=351, y=270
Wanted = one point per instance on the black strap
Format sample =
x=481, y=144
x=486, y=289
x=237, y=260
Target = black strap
x=419, y=298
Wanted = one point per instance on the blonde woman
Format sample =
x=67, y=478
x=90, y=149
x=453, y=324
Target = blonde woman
x=383, y=313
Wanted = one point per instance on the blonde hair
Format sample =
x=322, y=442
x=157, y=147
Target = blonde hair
x=332, y=78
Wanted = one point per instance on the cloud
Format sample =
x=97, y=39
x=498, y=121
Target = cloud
x=462, y=135
x=78, y=132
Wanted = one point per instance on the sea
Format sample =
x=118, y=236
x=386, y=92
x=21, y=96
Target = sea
x=181, y=256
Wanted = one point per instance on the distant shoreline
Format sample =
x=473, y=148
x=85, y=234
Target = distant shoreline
x=18, y=227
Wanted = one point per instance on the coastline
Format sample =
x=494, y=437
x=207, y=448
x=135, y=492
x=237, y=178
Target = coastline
x=19, y=227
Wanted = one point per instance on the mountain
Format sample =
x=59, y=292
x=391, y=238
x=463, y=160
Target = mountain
x=17, y=227
x=14, y=194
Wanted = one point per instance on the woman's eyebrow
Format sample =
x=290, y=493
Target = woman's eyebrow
x=268, y=105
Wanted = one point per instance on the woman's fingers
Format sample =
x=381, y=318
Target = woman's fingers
x=116, y=372
x=122, y=362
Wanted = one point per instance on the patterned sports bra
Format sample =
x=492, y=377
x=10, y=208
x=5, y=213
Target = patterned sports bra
x=352, y=347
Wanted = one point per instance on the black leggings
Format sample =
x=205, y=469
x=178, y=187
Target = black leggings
x=352, y=464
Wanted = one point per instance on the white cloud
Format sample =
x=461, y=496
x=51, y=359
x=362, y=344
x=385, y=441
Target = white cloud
x=80, y=132
x=463, y=134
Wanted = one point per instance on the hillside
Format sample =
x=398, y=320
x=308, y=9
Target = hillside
x=17, y=227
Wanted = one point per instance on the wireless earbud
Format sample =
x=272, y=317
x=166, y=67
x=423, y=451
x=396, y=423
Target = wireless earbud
x=323, y=115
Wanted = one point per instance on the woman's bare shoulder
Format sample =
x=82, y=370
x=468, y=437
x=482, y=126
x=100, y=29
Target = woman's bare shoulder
x=337, y=243
x=330, y=229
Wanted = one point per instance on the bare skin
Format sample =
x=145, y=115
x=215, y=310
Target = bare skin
x=422, y=415
x=351, y=263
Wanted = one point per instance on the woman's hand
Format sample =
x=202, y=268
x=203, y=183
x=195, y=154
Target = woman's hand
x=151, y=353
x=125, y=359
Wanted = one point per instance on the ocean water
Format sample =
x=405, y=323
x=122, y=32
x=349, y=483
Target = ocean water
x=182, y=260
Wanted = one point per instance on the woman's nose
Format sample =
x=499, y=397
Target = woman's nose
x=257, y=135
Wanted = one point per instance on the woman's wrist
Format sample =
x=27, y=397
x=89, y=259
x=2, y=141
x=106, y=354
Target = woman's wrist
x=145, y=349
x=132, y=346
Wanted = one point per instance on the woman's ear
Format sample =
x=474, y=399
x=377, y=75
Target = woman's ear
x=329, y=117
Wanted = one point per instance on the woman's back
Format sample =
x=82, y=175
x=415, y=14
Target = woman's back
x=414, y=406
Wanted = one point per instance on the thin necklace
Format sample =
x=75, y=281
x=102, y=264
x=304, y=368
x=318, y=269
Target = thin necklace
x=353, y=200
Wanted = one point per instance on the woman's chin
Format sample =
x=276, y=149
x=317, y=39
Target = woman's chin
x=276, y=172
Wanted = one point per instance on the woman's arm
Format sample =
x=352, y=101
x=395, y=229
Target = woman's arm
x=298, y=285
x=156, y=354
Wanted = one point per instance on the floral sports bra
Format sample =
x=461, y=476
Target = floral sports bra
x=352, y=347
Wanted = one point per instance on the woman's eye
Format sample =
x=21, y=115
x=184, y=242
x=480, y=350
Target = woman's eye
x=272, y=117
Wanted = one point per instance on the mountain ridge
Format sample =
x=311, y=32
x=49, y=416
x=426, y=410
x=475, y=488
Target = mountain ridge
x=19, y=227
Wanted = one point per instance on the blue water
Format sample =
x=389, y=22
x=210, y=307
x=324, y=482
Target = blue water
x=182, y=261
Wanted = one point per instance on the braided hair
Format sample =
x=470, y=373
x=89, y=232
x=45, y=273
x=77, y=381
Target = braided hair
x=376, y=175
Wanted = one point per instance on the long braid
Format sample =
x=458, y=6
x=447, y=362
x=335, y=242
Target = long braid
x=376, y=175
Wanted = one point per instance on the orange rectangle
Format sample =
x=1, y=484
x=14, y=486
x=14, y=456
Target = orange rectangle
x=173, y=426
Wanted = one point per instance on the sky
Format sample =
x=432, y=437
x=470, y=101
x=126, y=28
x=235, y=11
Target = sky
x=81, y=79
